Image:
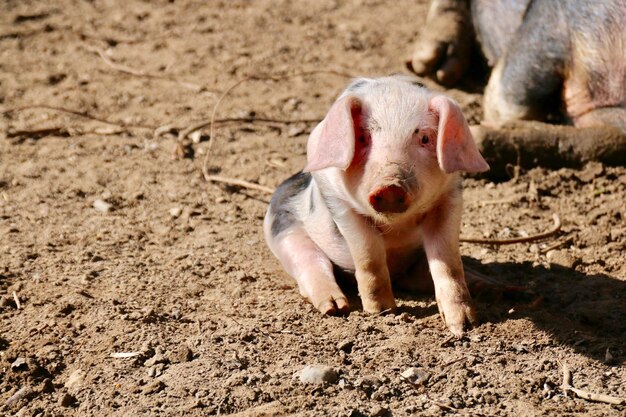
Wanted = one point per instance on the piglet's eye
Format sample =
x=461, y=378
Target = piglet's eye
x=425, y=139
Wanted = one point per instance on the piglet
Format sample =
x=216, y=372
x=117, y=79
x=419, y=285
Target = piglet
x=379, y=197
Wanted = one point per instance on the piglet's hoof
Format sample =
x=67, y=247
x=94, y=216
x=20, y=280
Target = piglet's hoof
x=330, y=303
x=457, y=309
x=334, y=306
x=457, y=316
x=379, y=306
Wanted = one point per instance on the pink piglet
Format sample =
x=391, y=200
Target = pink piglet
x=379, y=197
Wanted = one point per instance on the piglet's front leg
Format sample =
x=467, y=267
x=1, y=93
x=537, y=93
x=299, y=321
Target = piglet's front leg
x=441, y=244
x=368, y=252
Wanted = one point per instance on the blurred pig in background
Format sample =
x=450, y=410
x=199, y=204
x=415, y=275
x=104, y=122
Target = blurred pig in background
x=547, y=56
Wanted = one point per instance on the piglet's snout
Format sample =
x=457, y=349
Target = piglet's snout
x=390, y=199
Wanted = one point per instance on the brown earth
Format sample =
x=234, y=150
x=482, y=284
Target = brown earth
x=177, y=274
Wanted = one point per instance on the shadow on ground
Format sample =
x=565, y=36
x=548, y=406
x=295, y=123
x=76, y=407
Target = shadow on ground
x=586, y=312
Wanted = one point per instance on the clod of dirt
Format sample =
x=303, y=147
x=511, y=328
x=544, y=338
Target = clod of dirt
x=592, y=237
x=244, y=277
x=67, y=400
x=379, y=411
x=590, y=171
x=46, y=386
x=318, y=374
x=102, y=206
x=158, y=358
x=416, y=376
x=369, y=382
x=66, y=309
x=182, y=354
x=75, y=380
x=154, y=387
x=346, y=345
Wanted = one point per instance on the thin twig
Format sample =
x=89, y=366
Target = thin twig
x=382, y=313
x=17, y=301
x=566, y=385
x=453, y=361
x=19, y=394
x=158, y=130
x=124, y=355
x=524, y=239
x=183, y=134
x=529, y=306
x=556, y=245
x=39, y=133
x=61, y=131
x=78, y=113
x=111, y=41
x=506, y=200
x=139, y=73
x=238, y=183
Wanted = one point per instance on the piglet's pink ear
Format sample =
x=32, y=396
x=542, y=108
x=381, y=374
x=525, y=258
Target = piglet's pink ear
x=456, y=150
x=331, y=144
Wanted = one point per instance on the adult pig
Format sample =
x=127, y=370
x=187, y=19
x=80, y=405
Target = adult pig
x=548, y=56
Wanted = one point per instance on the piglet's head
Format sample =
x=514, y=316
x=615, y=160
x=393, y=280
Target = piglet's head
x=395, y=146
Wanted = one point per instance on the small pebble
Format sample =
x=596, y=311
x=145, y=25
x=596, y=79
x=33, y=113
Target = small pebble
x=196, y=136
x=317, y=374
x=296, y=131
x=102, y=206
x=175, y=211
x=19, y=364
x=561, y=258
x=416, y=376
x=475, y=337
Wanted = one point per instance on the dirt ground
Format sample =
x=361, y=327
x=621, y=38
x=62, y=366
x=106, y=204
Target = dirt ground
x=129, y=286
